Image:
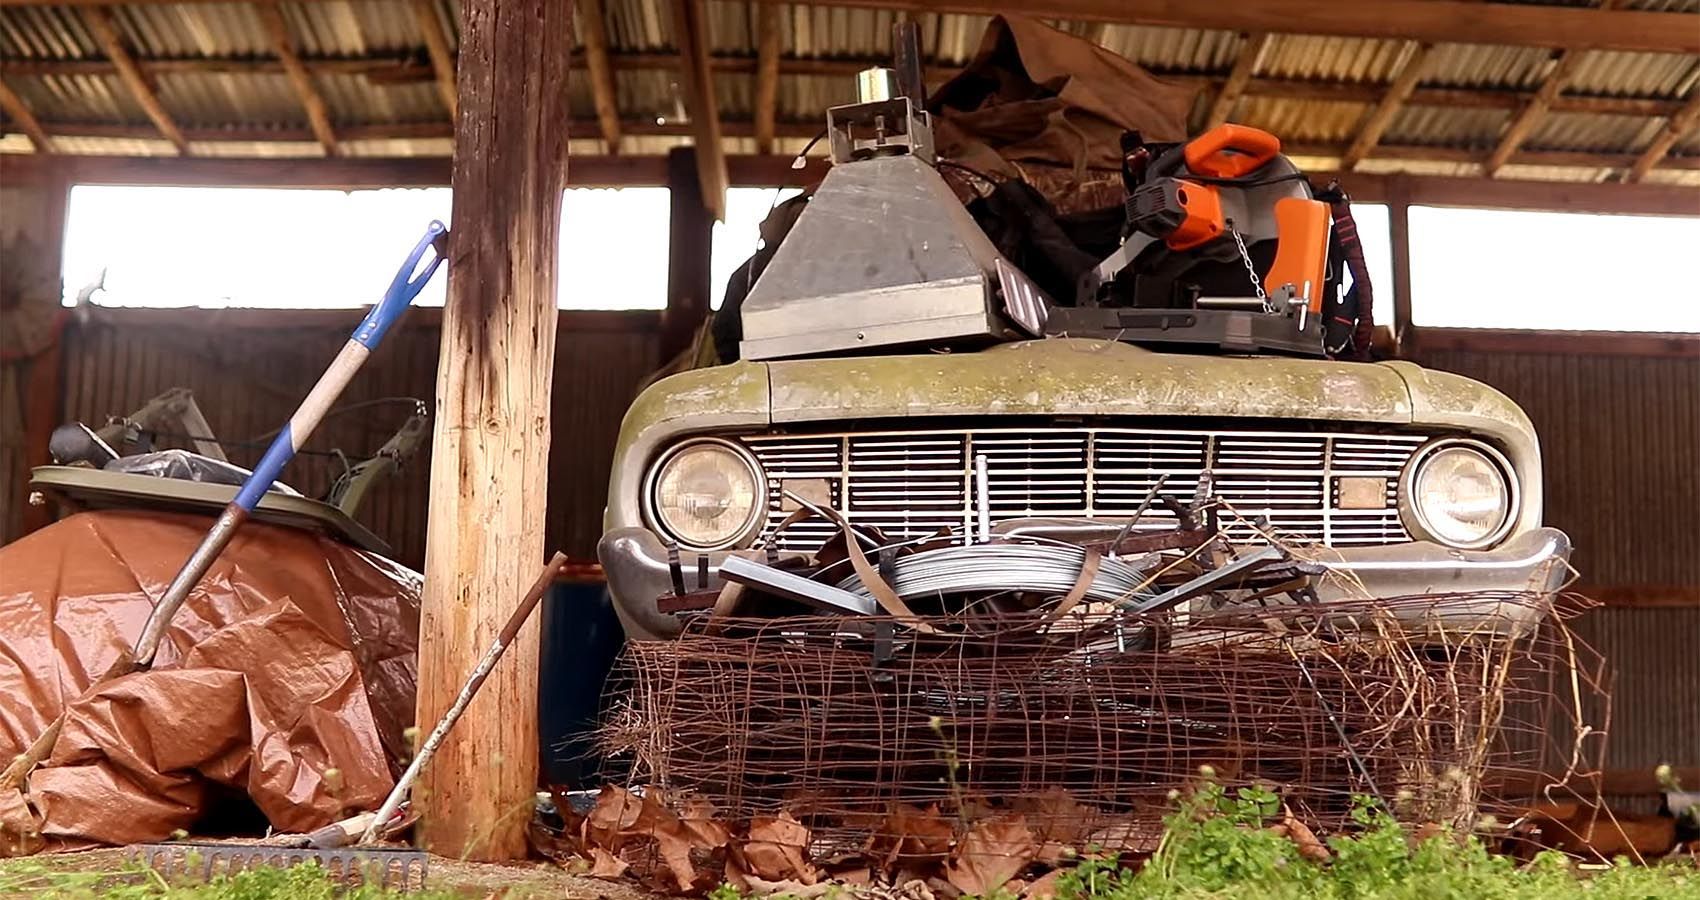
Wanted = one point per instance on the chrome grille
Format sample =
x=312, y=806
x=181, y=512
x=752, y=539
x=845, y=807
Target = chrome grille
x=915, y=483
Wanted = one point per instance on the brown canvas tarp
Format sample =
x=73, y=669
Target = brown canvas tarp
x=1034, y=95
x=288, y=675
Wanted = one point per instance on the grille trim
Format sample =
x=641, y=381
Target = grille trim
x=912, y=483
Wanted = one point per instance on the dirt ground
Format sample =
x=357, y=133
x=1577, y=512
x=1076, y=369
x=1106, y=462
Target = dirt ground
x=474, y=880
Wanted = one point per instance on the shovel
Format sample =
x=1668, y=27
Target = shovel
x=295, y=432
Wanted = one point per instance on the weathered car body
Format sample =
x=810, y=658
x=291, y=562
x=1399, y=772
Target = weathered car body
x=1077, y=431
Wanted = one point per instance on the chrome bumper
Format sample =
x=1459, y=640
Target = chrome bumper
x=1535, y=561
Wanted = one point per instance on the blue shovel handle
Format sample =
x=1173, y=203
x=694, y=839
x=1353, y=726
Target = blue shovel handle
x=402, y=290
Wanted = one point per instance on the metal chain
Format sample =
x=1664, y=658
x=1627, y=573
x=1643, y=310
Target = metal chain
x=1250, y=270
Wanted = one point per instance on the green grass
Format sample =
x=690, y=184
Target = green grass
x=1217, y=845
x=304, y=882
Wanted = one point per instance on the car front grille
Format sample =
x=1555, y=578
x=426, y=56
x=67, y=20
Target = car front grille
x=914, y=483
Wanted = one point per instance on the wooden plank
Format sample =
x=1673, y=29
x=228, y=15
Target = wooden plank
x=401, y=69
x=490, y=444
x=1430, y=21
x=1427, y=21
x=1680, y=124
x=690, y=237
x=594, y=19
x=1565, y=343
x=300, y=80
x=105, y=32
x=1251, y=53
x=691, y=35
x=768, y=40
x=24, y=119
x=437, y=48
x=1518, y=130
x=1399, y=236
x=1416, y=66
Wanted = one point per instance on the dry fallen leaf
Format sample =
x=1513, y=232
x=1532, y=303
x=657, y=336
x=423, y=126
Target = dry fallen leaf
x=991, y=853
x=777, y=850
x=1309, y=847
x=606, y=865
x=910, y=837
x=1044, y=887
x=616, y=812
x=704, y=830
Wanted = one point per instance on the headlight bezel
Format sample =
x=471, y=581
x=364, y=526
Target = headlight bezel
x=746, y=533
x=1411, y=513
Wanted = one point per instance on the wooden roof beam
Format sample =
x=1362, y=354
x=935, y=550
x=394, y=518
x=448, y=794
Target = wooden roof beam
x=593, y=20
x=1527, y=118
x=691, y=34
x=105, y=32
x=318, y=115
x=768, y=45
x=437, y=48
x=1425, y=21
x=24, y=119
x=1678, y=127
x=1375, y=124
x=1245, y=65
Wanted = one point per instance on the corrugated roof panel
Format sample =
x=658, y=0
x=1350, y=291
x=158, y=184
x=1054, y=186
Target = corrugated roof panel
x=1636, y=74
x=85, y=146
x=1476, y=65
x=79, y=98
x=1579, y=131
x=1445, y=126
x=638, y=25
x=410, y=147
x=203, y=29
x=1683, y=177
x=262, y=149
x=1689, y=6
x=647, y=93
x=44, y=32
x=1375, y=166
x=199, y=98
x=1356, y=60
x=13, y=142
x=1303, y=121
x=734, y=94
x=806, y=98
x=1174, y=49
x=731, y=27
x=955, y=38
x=353, y=98
x=1553, y=173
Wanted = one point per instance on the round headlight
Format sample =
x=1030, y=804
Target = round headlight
x=1460, y=493
x=706, y=494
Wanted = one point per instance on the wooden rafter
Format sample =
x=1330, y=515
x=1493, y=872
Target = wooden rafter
x=593, y=22
x=105, y=31
x=1375, y=125
x=1527, y=118
x=417, y=131
x=318, y=115
x=24, y=119
x=1685, y=121
x=401, y=69
x=1427, y=21
x=697, y=83
x=768, y=46
x=1245, y=65
x=437, y=48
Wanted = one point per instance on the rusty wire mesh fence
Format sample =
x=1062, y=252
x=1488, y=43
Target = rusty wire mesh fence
x=1097, y=717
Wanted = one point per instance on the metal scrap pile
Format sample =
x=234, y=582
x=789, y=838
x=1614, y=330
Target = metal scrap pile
x=992, y=675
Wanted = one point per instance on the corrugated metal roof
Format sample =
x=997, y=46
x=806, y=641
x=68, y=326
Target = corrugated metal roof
x=352, y=29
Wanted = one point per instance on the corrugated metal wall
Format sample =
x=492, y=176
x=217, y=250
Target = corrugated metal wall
x=1620, y=439
x=249, y=369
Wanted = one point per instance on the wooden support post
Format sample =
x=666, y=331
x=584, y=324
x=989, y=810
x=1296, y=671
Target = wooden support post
x=1399, y=233
x=602, y=90
x=105, y=31
x=690, y=239
x=437, y=48
x=32, y=239
x=490, y=450
x=768, y=41
x=1375, y=125
x=691, y=32
x=1251, y=53
x=25, y=120
x=283, y=45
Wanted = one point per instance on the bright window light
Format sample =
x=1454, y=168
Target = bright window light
x=740, y=235
x=320, y=249
x=1482, y=268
